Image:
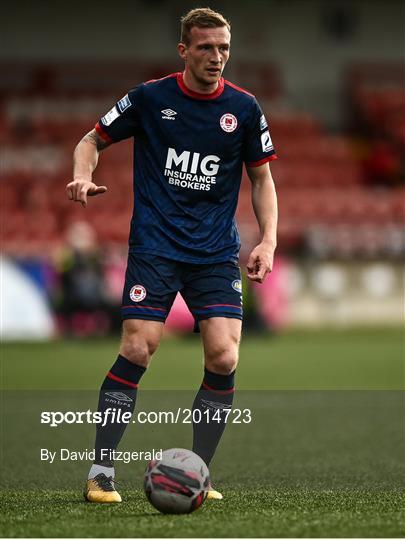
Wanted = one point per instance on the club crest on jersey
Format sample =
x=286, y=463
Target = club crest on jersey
x=137, y=293
x=228, y=122
x=237, y=285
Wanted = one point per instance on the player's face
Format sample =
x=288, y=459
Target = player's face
x=206, y=55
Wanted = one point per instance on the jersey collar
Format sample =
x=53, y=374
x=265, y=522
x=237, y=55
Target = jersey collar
x=198, y=95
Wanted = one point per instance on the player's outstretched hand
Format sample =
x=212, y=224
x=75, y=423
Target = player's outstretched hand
x=79, y=190
x=260, y=262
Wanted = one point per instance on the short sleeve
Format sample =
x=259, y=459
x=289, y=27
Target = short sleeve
x=123, y=120
x=257, y=146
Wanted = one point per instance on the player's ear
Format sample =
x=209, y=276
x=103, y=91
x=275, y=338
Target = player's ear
x=181, y=49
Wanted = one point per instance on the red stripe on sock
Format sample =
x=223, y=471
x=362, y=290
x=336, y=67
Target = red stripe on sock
x=229, y=391
x=123, y=381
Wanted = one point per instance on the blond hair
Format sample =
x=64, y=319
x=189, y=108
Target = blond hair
x=201, y=18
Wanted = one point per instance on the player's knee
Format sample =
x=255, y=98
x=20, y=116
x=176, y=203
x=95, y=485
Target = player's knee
x=139, y=341
x=136, y=352
x=222, y=360
x=137, y=349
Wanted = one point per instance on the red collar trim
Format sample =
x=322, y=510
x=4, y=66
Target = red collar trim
x=198, y=95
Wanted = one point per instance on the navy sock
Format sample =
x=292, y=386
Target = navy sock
x=215, y=394
x=118, y=392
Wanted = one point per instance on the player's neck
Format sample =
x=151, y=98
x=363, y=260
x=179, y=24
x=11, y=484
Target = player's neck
x=195, y=86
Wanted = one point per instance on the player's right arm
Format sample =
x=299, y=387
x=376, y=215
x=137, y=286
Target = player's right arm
x=85, y=159
x=121, y=122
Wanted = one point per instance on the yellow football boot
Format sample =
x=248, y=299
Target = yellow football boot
x=100, y=489
x=213, y=494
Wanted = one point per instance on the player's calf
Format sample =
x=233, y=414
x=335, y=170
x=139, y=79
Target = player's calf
x=213, y=400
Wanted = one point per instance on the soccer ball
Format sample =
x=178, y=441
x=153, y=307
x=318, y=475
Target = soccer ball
x=177, y=483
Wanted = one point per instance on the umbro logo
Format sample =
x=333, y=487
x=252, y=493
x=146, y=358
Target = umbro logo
x=118, y=395
x=168, y=114
x=215, y=404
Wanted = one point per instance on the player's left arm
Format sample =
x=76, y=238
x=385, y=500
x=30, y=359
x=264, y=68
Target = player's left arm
x=264, y=201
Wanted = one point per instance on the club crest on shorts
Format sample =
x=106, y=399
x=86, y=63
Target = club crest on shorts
x=228, y=122
x=237, y=285
x=137, y=293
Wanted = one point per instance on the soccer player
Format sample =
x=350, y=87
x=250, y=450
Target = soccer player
x=192, y=133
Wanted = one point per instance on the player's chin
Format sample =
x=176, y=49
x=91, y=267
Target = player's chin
x=213, y=76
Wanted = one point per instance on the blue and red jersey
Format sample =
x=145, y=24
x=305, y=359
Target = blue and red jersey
x=189, y=149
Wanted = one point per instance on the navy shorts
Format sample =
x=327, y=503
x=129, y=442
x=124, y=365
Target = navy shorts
x=152, y=282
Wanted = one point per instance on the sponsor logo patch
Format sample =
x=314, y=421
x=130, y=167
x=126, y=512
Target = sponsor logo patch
x=124, y=103
x=119, y=395
x=168, y=114
x=191, y=170
x=137, y=293
x=263, y=122
x=110, y=116
x=228, y=122
x=267, y=144
x=237, y=285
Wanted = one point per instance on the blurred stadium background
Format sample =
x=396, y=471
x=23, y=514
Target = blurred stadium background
x=330, y=77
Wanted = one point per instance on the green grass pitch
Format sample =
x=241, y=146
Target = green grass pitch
x=322, y=457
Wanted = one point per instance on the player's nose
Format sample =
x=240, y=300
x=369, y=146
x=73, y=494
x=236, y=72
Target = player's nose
x=216, y=56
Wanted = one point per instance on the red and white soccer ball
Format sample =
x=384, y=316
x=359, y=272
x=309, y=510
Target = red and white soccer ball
x=177, y=483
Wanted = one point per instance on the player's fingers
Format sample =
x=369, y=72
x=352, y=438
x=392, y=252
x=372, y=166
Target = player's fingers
x=250, y=265
x=258, y=271
x=253, y=272
x=73, y=189
x=261, y=274
x=76, y=192
x=97, y=191
x=254, y=277
x=69, y=192
x=83, y=196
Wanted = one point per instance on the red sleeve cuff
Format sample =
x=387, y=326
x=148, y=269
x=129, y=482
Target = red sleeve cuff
x=102, y=133
x=262, y=161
